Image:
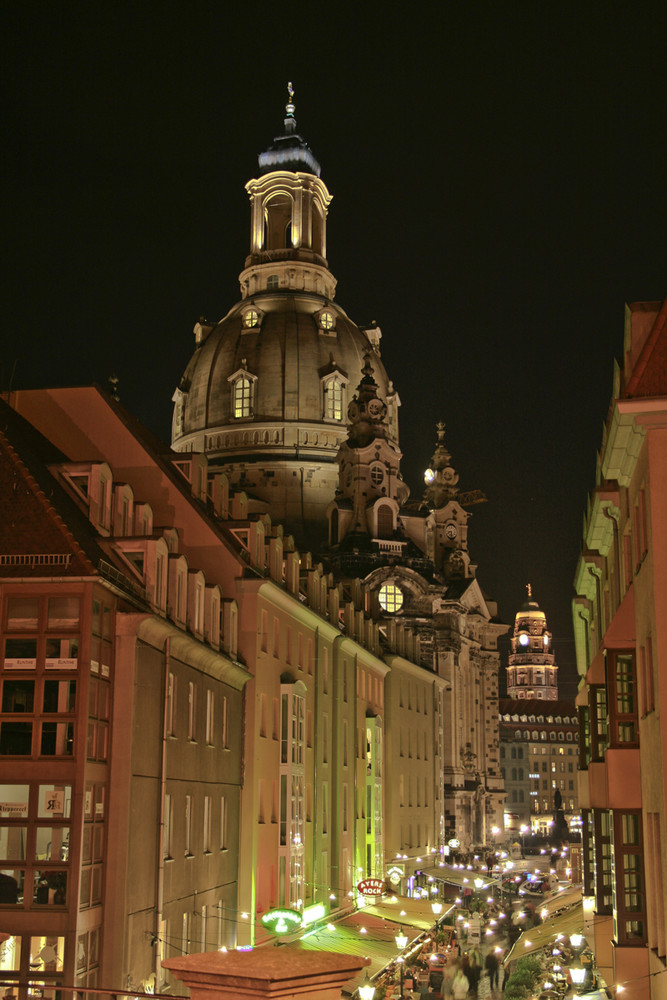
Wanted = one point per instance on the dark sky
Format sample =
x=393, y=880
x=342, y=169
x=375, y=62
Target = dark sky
x=498, y=174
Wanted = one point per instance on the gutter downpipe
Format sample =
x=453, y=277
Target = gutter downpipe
x=163, y=783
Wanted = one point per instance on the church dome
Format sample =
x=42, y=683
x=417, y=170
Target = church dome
x=266, y=391
x=290, y=361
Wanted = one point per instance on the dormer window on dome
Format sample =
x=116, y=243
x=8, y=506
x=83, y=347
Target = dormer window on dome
x=333, y=396
x=326, y=321
x=252, y=318
x=243, y=394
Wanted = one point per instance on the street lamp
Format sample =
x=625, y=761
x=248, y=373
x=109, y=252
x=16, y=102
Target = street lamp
x=436, y=907
x=524, y=831
x=401, y=940
x=367, y=990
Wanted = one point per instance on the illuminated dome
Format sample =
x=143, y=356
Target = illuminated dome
x=265, y=394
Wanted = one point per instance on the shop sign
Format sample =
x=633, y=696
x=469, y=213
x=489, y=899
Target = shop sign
x=372, y=887
x=395, y=874
x=282, y=921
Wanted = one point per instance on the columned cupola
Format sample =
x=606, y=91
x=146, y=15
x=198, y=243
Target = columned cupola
x=288, y=217
x=532, y=670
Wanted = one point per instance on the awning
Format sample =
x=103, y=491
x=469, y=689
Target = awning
x=571, y=921
x=362, y=933
x=407, y=912
x=562, y=897
x=461, y=877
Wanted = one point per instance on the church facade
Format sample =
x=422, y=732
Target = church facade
x=290, y=398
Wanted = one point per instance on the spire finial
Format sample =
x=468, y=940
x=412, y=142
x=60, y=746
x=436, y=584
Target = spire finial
x=529, y=590
x=290, y=120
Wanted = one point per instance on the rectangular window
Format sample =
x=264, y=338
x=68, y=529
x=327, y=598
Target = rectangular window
x=210, y=714
x=622, y=685
x=171, y=705
x=22, y=614
x=192, y=712
x=629, y=891
x=223, y=823
x=188, y=826
x=225, y=723
x=207, y=824
x=167, y=826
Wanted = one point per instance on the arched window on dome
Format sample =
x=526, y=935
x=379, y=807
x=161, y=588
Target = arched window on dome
x=243, y=394
x=334, y=399
x=333, y=396
x=242, y=397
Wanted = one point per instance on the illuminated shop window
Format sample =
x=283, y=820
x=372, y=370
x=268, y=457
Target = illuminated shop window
x=391, y=598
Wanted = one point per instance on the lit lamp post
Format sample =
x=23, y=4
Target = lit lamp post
x=524, y=831
x=366, y=990
x=576, y=968
x=401, y=940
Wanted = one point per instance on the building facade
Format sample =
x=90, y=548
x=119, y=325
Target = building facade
x=621, y=643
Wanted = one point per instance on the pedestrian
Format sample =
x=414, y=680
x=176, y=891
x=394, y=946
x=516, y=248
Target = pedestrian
x=460, y=985
x=491, y=965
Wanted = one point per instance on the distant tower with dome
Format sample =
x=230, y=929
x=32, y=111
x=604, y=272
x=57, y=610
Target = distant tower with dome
x=532, y=671
x=266, y=392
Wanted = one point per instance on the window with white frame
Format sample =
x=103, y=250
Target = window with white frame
x=334, y=393
x=224, y=726
x=207, y=824
x=167, y=827
x=188, y=826
x=210, y=716
x=171, y=705
x=192, y=711
x=242, y=396
x=223, y=823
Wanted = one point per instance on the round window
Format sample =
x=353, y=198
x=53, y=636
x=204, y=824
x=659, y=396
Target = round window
x=390, y=597
x=251, y=318
x=377, y=475
x=326, y=320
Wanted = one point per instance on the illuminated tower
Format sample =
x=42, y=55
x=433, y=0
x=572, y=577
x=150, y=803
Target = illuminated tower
x=532, y=670
x=266, y=392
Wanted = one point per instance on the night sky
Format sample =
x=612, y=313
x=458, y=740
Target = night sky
x=498, y=174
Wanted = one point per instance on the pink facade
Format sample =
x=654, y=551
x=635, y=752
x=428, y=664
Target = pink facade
x=621, y=635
